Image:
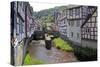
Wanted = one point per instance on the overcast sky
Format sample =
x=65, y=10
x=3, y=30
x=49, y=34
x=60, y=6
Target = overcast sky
x=45, y=4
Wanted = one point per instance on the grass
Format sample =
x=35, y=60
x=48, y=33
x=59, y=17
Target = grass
x=29, y=61
x=61, y=44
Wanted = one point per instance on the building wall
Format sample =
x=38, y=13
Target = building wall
x=20, y=21
x=38, y=25
x=89, y=43
x=89, y=32
x=69, y=22
x=76, y=15
x=32, y=27
x=28, y=19
x=74, y=34
x=60, y=20
x=75, y=19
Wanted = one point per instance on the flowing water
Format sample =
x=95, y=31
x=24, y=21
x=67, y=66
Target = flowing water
x=37, y=50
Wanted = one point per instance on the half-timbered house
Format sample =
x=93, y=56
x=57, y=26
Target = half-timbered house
x=89, y=29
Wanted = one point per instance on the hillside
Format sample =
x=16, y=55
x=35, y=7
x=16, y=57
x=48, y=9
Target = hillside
x=47, y=15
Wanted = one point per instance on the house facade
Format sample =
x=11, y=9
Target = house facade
x=23, y=20
x=22, y=24
x=89, y=29
x=61, y=22
x=18, y=20
x=38, y=25
x=76, y=18
x=29, y=20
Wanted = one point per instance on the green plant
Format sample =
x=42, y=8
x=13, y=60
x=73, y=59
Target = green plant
x=85, y=53
x=61, y=44
x=29, y=61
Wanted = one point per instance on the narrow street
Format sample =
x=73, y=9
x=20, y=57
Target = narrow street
x=37, y=50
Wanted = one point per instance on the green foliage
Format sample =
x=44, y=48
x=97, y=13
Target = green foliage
x=85, y=53
x=47, y=15
x=29, y=61
x=44, y=13
x=47, y=19
x=60, y=43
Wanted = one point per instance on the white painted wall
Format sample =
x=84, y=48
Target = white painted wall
x=75, y=30
x=89, y=43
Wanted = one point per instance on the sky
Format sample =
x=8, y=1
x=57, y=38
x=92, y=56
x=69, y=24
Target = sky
x=45, y=4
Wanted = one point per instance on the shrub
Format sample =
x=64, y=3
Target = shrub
x=61, y=44
x=85, y=54
x=29, y=61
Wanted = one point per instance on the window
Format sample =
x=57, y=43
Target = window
x=15, y=22
x=77, y=11
x=77, y=35
x=95, y=33
x=21, y=26
x=87, y=30
x=88, y=36
x=17, y=27
x=72, y=23
x=92, y=33
x=69, y=22
x=78, y=23
x=64, y=21
x=74, y=11
x=23, y=8
x=71, y=12
x=95, y=29
x=71, y=34
x=67, y=13
x=92, y=24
